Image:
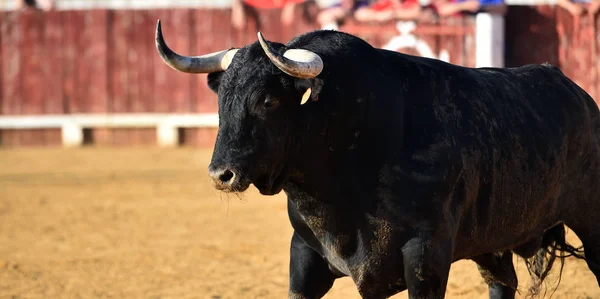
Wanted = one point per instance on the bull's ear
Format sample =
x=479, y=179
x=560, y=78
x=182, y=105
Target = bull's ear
x=310, y=89
x=214, y=81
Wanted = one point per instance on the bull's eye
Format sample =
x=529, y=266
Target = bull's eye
x=271, y=102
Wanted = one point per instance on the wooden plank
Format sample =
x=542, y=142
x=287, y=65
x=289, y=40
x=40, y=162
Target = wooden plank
x=118, y=60
x=79, y=103
x=31, y=79
x=121, y=137
x=147, y=137
x=575, y=49
x=93, y=61
x=52, y=63
x=24, y=137
x=451, y=44
x=199, y=137
x=142, y=98
x=118, y=137
x=596, y=57
x=180, y=35
x=204, y=99
x=468, y=40
x=11, y=64
x=104, y=102
x=145, y=41
x=2, y=25
x=52, y=71
x=53, y=137
x=526, y=29
x=133, y=57
x=117, y=68
x=161, y=72
x=461, y=59
x=72, y=21
x=38, y=137
x=10, y=138
x=32, y=44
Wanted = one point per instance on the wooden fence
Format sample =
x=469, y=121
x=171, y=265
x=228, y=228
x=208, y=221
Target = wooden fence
x=550, y=34
x=105, y=61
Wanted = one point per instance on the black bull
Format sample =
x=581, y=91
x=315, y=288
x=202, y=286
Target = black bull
x=396, y=166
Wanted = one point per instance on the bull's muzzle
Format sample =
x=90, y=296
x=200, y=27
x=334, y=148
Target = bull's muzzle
x=224, y=178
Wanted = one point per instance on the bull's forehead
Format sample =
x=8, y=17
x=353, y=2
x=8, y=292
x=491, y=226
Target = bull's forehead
x=250, y=74
x=240, y=86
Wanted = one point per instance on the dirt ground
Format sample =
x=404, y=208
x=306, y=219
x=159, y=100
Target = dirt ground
x=145, y=223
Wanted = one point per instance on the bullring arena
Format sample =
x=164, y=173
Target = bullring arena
x=146, y=223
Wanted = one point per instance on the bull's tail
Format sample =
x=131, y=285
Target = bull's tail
x=554, y=245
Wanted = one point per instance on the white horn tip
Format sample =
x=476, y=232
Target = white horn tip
x=261, y=39
x=158, y=27
x=306, y=96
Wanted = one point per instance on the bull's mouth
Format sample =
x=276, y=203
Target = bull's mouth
x=266, y=185
x=270, y=185
x=229, y=179
x=238, y=186
x=268, y=190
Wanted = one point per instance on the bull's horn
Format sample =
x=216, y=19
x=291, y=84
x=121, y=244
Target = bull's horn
x=209, y=63
x=298, y=63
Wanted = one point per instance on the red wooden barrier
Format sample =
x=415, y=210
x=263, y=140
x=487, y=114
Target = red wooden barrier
x=104, y=61
x=551, y=34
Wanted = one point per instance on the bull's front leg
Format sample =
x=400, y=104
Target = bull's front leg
x=426, y=267
x=310, y=277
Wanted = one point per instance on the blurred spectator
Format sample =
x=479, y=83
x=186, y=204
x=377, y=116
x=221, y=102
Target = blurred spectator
x=574, y=8
x=330, y=17
x=386, y=10
x=238, y=14
x=288, y=12
x=45, y=5
x=454, y=7
x=594, y=8
x=577, y=7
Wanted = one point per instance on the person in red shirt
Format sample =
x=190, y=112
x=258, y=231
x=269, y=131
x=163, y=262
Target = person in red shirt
x=577, y=7
x=593, y=8
x=238, y=16
x=386, y=10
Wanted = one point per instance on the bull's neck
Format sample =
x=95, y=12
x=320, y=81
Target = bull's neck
x=326, y=185
x=348, y=134
x=327, y=151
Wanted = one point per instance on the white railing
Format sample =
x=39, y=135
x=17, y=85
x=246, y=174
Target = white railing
x=72, y=125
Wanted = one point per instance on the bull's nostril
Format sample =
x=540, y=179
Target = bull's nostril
x=226, y=176
x=223, y=177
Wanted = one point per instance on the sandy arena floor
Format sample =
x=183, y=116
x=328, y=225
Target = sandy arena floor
x=145, y=223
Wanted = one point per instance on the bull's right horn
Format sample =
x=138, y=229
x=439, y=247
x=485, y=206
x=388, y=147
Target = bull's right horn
x=209, y=63
x=297, y=63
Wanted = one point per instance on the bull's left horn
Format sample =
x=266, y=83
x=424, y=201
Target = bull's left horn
x=209, y=63
x=297, y=63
